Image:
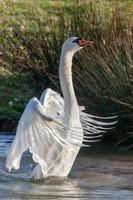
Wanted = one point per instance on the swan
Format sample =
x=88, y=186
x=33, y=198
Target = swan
x=53, y=128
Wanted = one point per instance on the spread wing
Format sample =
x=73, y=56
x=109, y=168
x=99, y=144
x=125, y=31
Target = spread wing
x=40, y=131
x=94, y=127
x=53, y=103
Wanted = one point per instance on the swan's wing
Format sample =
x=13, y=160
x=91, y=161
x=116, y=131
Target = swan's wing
x=53, y=103
x=94, y=127
x=40, y=133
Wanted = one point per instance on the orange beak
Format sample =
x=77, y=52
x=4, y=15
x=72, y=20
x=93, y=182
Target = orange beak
x=83, y=43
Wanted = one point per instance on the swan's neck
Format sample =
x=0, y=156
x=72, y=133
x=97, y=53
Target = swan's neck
x=65, y=73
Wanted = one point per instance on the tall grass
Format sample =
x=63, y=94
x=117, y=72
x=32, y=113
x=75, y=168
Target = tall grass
x=31, y=39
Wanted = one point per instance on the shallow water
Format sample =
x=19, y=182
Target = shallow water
x=93, y=177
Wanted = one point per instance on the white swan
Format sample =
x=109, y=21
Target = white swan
x=51, y=127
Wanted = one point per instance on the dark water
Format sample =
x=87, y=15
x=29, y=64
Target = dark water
x=93, y=177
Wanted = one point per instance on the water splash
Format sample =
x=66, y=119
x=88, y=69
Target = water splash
x=92, y=177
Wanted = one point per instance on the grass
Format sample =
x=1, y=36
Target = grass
x=32, y=33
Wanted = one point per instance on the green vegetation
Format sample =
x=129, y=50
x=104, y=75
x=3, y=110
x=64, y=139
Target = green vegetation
x=31, y=34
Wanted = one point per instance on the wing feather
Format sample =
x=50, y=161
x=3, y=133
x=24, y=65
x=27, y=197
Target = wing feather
x=41, y=134
x=94, y=127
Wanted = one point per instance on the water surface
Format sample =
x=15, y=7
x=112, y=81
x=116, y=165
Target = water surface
x=93, y=177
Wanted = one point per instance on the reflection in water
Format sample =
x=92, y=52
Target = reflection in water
x=93, y=177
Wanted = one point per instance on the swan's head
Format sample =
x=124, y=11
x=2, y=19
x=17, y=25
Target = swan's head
x=74, y=44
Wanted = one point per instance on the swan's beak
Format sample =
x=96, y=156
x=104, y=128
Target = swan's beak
x=83, y=43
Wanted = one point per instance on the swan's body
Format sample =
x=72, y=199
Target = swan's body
x=51, y=127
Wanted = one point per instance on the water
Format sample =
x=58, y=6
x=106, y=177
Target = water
x=93, y=177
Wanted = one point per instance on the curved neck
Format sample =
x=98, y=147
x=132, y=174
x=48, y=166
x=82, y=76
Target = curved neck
x=65, y=74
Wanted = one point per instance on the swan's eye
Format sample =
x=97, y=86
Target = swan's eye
x=77, y=40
